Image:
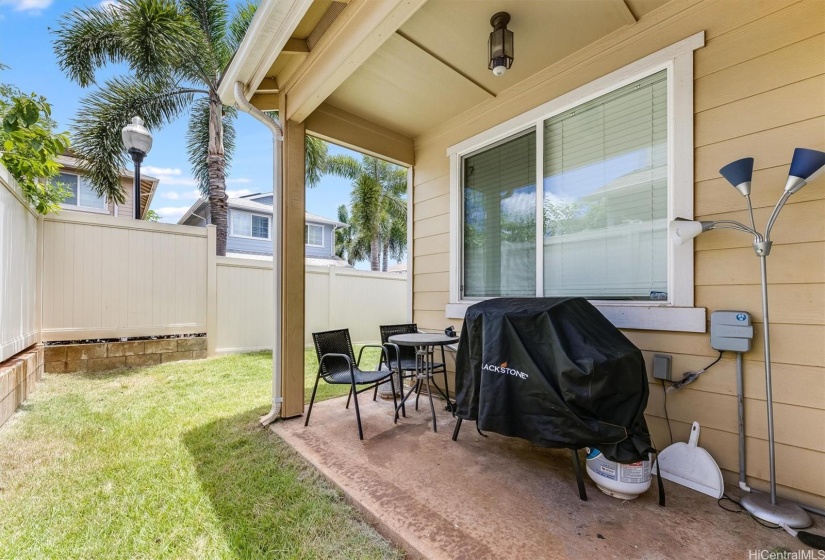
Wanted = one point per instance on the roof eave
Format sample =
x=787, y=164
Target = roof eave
x=270, y=29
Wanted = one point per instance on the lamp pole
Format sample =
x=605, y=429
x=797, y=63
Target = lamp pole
x=805, y=166
x=138, y=141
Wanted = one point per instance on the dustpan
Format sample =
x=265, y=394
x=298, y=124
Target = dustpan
x=690, y=465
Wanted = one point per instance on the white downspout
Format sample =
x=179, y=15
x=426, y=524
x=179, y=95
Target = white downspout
x=277, y=212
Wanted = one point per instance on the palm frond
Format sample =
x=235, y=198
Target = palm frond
x=160, y=39
x=97, y=130
x=88, y=38
x=344, y=166
x=197, y=141
x=239, y=24
x=366, y=205
x=315, y=161
x=212, y=17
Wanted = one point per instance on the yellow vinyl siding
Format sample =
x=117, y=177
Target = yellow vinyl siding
x=759, y=87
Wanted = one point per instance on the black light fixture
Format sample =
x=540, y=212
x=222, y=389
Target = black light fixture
x=138, y=141
x=500, y=44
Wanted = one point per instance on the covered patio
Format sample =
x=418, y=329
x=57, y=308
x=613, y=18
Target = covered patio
x=499, y=497
x=408, y=81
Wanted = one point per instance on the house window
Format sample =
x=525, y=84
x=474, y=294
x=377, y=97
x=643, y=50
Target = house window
x=606, y=196
x=81, y=193
x=250, y=225
x=614, y=162
x=500, y=219
x=314, y=235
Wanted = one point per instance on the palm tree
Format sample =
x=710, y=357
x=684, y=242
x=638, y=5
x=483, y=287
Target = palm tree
x=348, y=245
x=378, y=203
x=175, y=52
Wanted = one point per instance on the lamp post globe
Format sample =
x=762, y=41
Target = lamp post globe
x=138, y=141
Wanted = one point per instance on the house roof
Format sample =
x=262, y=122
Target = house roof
x=244, y=203
x=148, y=184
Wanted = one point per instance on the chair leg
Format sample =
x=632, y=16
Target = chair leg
x=375, y=392
x=579, y=479
x=392, y=388
x=457, y=429
x=348, y=398
x=417, y=392
x=312, y=399
x=432, y=406
x=401, y=388
x=357, y=413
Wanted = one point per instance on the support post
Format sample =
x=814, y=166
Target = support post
x=293, y=271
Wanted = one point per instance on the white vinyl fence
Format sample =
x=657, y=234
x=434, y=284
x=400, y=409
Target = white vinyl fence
x=81, y=276
x=335, y=298
x=19, y=326
x=245, y=305
x=105, y=277
x=361, y=301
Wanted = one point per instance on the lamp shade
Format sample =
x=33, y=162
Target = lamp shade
x=136, y=136
x=738, y=174
x=500, y=44
x=806, y=165
x=682, y=231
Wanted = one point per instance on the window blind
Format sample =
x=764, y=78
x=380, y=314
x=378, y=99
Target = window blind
x=605, y=195
x=500, y=219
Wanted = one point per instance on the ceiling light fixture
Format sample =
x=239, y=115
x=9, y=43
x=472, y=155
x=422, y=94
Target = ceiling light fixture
x=500, y=44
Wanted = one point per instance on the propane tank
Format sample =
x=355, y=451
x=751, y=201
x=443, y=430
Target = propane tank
x=625, y=482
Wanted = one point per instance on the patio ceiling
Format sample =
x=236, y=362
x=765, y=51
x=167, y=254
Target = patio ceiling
x=434, y=65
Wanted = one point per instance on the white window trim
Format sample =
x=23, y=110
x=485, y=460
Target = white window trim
x=323, y=229
x=232, y=226
x=676, y=314
x=77, y=207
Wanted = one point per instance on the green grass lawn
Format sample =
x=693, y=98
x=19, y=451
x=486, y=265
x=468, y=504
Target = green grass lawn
x=167, y=462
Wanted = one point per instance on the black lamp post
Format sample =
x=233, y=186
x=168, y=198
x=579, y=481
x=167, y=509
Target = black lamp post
x=138, y=141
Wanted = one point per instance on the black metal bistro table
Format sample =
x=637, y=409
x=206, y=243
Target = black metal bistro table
x=425, y=344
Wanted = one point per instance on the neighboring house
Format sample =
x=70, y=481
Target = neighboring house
x=250, y=230
x=600, y=94
x=83, y=198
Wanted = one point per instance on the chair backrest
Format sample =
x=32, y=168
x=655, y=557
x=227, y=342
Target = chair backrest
x=333, y=342
x=407, y=352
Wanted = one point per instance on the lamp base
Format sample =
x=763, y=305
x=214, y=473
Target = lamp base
x=783, y=512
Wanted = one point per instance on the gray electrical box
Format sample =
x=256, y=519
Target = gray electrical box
x=731, y=330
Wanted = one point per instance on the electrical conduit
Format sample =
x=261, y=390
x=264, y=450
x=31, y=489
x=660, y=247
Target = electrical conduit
x=277, y=209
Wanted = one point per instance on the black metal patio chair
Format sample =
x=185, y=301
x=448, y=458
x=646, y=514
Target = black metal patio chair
x=337, y=365
x=403, y=358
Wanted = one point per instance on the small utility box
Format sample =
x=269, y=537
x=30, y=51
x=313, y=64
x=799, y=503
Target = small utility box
x=731, y=330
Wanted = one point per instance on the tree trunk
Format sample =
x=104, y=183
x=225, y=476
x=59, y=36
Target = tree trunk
x=385, y=256
x=375, y=255
x=216, y=164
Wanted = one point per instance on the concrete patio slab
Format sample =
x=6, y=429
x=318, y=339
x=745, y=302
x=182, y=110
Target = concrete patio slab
x=499, y=497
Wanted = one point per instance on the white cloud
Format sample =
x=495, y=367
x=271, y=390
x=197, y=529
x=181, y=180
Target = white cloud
x=27, y=5
x=238, y=181
x=106, y=3
x=238, y=193
x=171, y=214
x=169, y=176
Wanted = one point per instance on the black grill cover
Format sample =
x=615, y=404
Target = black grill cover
x=553, y=371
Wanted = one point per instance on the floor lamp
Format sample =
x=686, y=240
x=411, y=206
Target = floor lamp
x=805, y=166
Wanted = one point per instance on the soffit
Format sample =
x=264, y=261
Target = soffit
x=435, y=65
x=312, y=26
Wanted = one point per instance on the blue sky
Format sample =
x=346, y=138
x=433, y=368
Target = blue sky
x=26, y=47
